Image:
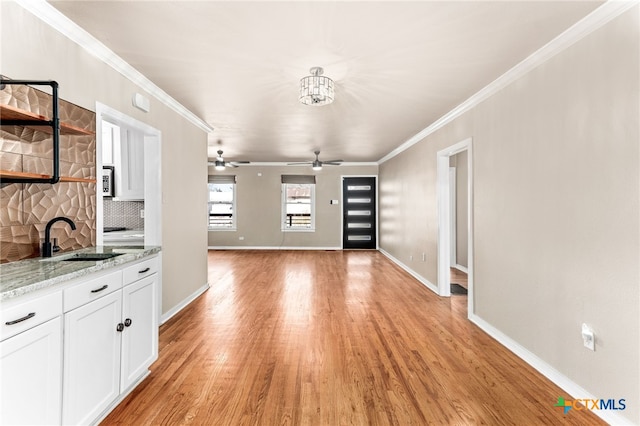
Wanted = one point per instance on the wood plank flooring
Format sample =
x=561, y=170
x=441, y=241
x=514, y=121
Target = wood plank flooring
x=459, y=277
x=332, y=338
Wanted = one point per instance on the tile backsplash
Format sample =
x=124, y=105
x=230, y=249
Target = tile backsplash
x=25, y=208
x=123, y=213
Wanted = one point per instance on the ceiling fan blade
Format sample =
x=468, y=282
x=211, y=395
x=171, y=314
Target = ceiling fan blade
x=241, y=162
x=230, y=164
x=299, y=164
x=333, y=162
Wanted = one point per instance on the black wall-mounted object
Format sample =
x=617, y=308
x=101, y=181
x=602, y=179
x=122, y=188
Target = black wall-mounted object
x=54, y=123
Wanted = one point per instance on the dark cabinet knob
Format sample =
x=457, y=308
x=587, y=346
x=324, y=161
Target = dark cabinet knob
x=120, y=326
x=127, y=322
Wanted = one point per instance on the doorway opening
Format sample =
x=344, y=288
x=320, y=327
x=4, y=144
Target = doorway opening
x=455, y=243
x=150, y=138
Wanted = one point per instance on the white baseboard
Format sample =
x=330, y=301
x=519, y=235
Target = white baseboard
x=271, y=248
x=569, y=386
x=572, y=388
x=180, y=306
x=461, y=268
x=411, y=272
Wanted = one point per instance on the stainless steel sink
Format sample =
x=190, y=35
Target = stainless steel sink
x=88, y=257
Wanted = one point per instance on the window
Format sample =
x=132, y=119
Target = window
x=298, y=202
x=222, y=202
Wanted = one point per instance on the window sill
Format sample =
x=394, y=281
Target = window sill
x=223, y=229
x=299, y=230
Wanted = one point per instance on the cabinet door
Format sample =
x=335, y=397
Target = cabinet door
x=129, y=168
x=140, y=337
x=31, y=365
x=110, y=137
x=92, y=358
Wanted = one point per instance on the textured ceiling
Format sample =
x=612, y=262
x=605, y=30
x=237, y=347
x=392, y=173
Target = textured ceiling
x=397, y=66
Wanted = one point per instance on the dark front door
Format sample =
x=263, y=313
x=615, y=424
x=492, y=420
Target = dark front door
x=359, y=212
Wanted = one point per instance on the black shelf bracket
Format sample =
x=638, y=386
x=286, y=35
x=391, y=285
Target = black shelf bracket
x=54, y=123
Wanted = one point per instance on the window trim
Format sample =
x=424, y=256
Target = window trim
x=224, y=179
x=283, y=208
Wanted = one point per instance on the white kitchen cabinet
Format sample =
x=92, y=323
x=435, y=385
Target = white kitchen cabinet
x=32, y=376
x=69, y=356
x=91, y=358
x=129, y=166
x=140, y=337
x=123, y=148
x=110, y=136
x=110, y=340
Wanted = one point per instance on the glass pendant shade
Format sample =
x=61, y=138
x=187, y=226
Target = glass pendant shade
x=316, y=89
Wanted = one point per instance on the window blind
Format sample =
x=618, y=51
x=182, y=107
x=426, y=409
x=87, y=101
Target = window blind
x=222, y=178
x=299, y=179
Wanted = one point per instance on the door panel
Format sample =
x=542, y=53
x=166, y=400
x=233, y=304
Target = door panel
x=31, y=386
x=91, y=359
x=140, y=338
x=359, y=213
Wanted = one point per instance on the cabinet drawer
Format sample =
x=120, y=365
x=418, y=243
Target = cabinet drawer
x=90, y=290
x=24, y=316
x=140, y=270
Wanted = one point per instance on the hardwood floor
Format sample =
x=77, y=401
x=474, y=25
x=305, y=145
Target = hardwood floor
x=459, y=277
x=332, y=338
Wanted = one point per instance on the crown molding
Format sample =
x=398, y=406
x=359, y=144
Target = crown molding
x=282, y=163
x=596, y=19
x=53, y=17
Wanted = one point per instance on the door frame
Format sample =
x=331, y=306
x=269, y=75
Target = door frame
x=152, y=172
x=444, y=219
x=452, y=212
x=342, y=207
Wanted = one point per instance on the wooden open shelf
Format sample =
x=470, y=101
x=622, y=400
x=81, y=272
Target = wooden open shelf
x=23, y=175
x=8, y=112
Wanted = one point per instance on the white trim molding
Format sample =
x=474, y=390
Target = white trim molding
x=180, y=306
x=273, y=248
x=460, y=268
x=411, y=272
x=573, y=389
x=596, y=19
x=283, y=163
x=52, y=16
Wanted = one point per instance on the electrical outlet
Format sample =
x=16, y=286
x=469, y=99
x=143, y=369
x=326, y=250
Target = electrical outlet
x=141, y=213
x=410, y=257
x=588, y=337
x=424, y=257
x=241, y=238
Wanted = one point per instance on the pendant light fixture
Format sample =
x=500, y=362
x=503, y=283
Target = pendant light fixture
x=316, y=89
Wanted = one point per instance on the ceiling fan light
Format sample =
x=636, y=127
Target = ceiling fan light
x=316, y=89
x=219, y=165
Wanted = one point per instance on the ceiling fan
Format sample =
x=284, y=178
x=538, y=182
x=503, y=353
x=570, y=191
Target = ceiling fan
x=220, y=164
x=317, y=164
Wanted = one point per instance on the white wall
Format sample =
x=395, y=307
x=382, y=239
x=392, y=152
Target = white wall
x=556, y=209
x=32, y=50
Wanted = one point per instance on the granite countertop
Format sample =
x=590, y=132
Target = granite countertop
x=127, y=235
x=25, y=276
x=136, y=232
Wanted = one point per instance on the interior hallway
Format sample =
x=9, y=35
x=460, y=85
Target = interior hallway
x=328, y=338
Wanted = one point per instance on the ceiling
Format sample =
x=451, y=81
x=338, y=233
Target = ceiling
x=397, y=66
